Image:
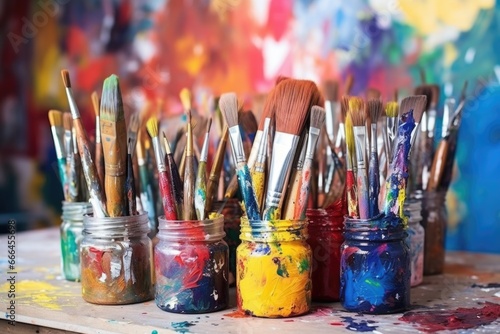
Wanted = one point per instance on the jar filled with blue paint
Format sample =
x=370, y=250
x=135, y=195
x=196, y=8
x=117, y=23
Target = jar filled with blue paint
x=375, y=266
x=71, y=236
x=416, y=235
x=191, y=266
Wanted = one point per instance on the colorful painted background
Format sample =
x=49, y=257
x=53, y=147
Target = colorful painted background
x=158, y=47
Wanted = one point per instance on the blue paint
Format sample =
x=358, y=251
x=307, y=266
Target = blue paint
x=249, y=199
x=375, y=266
x=181, y=326
x=359, y=325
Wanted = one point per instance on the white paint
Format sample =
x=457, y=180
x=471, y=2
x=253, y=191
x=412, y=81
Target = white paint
x=115, y=267
x=215, y=294
x=274, y=54
x=103, y=278
x=127, y=260
x=497, y=294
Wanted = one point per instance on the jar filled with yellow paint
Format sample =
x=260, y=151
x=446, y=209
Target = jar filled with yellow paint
x=71, y=236
x=273, y=268
x=117, y=260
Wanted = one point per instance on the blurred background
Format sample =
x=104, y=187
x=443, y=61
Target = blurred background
x=157, y=47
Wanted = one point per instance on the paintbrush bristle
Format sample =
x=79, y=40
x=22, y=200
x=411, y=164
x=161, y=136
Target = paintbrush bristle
x=65, y=77
x=357, y=111
x=56, y=118
x=228, y=104
x=372, y=94
x=317, y=117
x=391, y=109
x=427, y=91
x=209, y=124
x=280, y=79
x=330, y=89
x=134, y=122
x=349, y=136
x=374, y=110
x=67, y=121
x=349, y=82
x=95, y=102
x=185, y=96
x=168, y=150
x=435, y=94
x=344, y=107
x=248, y=121
x=416, y=103
x=111, y=108
x=152, y=127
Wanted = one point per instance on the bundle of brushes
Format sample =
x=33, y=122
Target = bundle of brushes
x=362, y=163
x=109, y=175
x=275, y=181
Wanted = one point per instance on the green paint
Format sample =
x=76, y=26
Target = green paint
x=154, y=332
x=303, y=266
x=281, y=271
x=373, y=283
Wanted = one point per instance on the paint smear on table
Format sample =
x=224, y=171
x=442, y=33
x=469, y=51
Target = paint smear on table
x=487, y=286
x=357, y=325
x=182, y=326
x=237, y=314
x=41, y=293
x=460, y=318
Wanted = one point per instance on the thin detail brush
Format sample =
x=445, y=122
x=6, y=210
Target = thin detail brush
x=352, y=197
x=259, y=170
x=295, y=182
x=200, y=198
x=213, y=179
x=177, y=186
x=57, y=129
x=99, y=155
x=189, y=175
x=146, y=187
x=130, y=182
x=374, y=111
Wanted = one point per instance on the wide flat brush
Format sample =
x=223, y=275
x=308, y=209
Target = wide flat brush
x=200, y=198
x=89, y=169
x=177, y=186
x=374, y=112
x=352, y=197
x=165, y=187
x=316, y=123
x=228, y=104
x=99, y=155
x=293, y=102
x=57, y=129
x=189, y=175
x=214, y=178
x=114, y=143
x=130, y=183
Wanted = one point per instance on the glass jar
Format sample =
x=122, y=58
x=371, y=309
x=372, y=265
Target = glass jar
x=375, y=265
x=71, y=235
x=434, y=221
x=416, y=235
x=191, y=266
x=231, y=210
x=273, y=268
x=325, y=238
x=116, y=257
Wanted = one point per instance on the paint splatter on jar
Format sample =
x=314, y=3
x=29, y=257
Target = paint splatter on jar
x=416, y=235
x=191, y=266
x=273, y=268
x=117, y=260
x=434, y=221
x=375, y=266
x=71, y=236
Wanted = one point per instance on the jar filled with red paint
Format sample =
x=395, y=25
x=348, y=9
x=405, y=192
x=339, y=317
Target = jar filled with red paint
x=325, y=238
x=434, y=221
x=375, y=265
x=273, y=277
x=191, y=266
x=71, y=236
x=117, y=260
x=416, y=236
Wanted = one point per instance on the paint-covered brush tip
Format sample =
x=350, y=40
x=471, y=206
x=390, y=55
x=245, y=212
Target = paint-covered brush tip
x=65, y=77
x=357, y=111
x=55, y=118
x=317, y=117
x=374, y=110
x=391, y=109
x=152, y=127
x=185, y=96
x=95, y=102
x=67, y=121
x=228, y=104
x=417, y=103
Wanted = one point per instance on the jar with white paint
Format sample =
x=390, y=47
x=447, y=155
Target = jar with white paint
x=117, y=260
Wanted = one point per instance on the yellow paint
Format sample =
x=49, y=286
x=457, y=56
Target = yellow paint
x=430, y=16
x=401, y=201
x=258, y=183
x=274, y=277
x=41, y=293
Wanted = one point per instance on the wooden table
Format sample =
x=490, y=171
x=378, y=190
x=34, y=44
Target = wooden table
x=46, y=303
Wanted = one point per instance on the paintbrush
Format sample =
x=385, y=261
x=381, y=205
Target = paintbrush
x=71, y=177
x=130, y=182
x=357, y=111
x=133, y=127
x=177, y=186
x=295, y=183
x=292, y=108
x=57, y=129
x=214, y=177
x=200, y=198
x=411, y=111
x=89, y=169
x=164, y=183
x=258, y=171
x=99, y=158
x=335, y=192
x=352, y=197
x=449, y=106
x=189, y=175
x=372, y=94
x=146, y=187
x=114, y=144
x=344, y=107
x=228, y=104
x=374, y=111
x=424, y=143
x=316, y=123
x=391, y=113
x=330, y=89
x=76, y=188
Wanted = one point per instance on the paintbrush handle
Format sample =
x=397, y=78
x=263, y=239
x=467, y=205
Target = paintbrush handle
x=200, y=198
x=352, y=200
x=73, y=178
x=438, y=165
x=259, y=183
x=304, y=190
x=247, y=192
x=147, y=198
x=232, y=187
x=99, y=162
x=294, y=195
x=130, y=188
x=214, y=177
x=167, y=197
x=189, y=182
x=177, y=186
x=447, y=174
x=363, y=197
x=374, y=182
x=61, y=168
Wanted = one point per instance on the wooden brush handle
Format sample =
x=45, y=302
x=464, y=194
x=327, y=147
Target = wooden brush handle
x=294, y=195
x=189, y=180
x=352, y=201
x=232, y=188
x=438, y=165
x=167, y=197
x=99, y=162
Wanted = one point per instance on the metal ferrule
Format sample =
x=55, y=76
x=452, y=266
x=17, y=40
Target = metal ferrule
x=284, y=147
x=204, y=149
x=423, y=121
x=431, y=122
x=312, y=140
x=159, y=156
x=255, y=148
x=373, y=138
x=74, y=140
x=413, y=135
x=58, y=135
x=302, y=155
x=340, y=136
x=68, y=142
x=449, y=105
x=359, y=140
x=330, y=107
x=72, y=104
x=237, y=144
x=98, y=129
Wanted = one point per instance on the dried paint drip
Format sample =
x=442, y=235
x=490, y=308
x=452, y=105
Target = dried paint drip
x=357, y=325
x=416, y=237
x=181, y=326
x=460, y=318
x=116, y=257
x=274, y=269
x=375, y=266
x=191, y=266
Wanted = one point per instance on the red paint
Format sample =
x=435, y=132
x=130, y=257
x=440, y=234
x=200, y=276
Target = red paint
x=167, y=196
x=336, y=324
x=289, y=320
x=237, y=314
x=193, y=260
x=460, y=318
